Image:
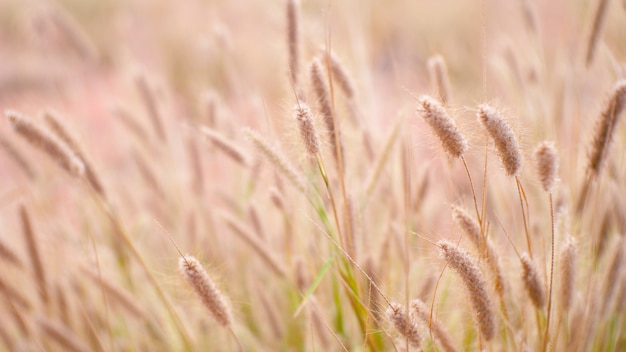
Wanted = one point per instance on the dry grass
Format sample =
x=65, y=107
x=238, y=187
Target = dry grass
x=314, y=199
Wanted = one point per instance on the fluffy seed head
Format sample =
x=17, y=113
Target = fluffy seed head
x=404, y=323
x=547, y=163
x=532, y=281
x=277, y=159
x=205, y=288
x=422, y=312
x=504, y=138
x=468, y=224
x=46, y=141
x=443, y=125
x=308, y=132
x=567, y=273
x=605, y=125
x=476, y=286
x=438, y=73
x=322, y=93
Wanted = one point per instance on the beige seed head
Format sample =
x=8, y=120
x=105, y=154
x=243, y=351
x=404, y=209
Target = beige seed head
x=567, y=273
x=309, y=134
x=47, y=142
x=279, y=161
x=404, y=323
x=468, y=224
x=443, y=125
x=532, y=281
x=605, y=125
x=504, y=138
x=476, y=286
x=205, y=288
x=438, y=73
x=53, y=121
x=547, y=163
x=341, y=77
x=422, y=312
x=227, y=146
x=320, y=87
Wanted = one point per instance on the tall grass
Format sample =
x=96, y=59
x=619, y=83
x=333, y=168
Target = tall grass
x=322, y=206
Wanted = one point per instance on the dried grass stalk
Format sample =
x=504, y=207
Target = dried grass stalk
x=76, y=36
x=19, y=159
x=404, y=323
x=117, y=294
x=476, y=286
x=547, y=163
x=35, y=258
x=532, y=282
x=504, y=138
x=205, y=288
x=147, y=96
x=443, y=125
x=341, y=76
x=272, y=315
x=53, y=121
x=47, y=142
x=278, y=160
x=62, y=335
x=195, y=164
x=614, y=274
x=596, y=29
x=14, y=295
x=257, y=244
x=438, y=73
x=422, y=312
x=604, y=127
x=293, y=39
x=9, y=255
x=320, y=87
x=567, y=273
x=228, y=147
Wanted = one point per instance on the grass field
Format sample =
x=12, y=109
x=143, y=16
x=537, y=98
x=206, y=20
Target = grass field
x=312, y=175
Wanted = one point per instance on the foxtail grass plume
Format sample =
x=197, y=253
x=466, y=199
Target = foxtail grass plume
x=227, y=146
x=532, y=281
x=278, y=160
x=468, y=224
x=476, y=286
x=422, y=312
x=320, y=87
x=438, y=73
x=53, y=121
x=567, y=266
x=41, y=138
x=340, y=76
x=308, y=133
x=605, y=126
x=404, y=323
x=205, y=288
x=547, y=163
x=443, y=125
x=504, y=138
